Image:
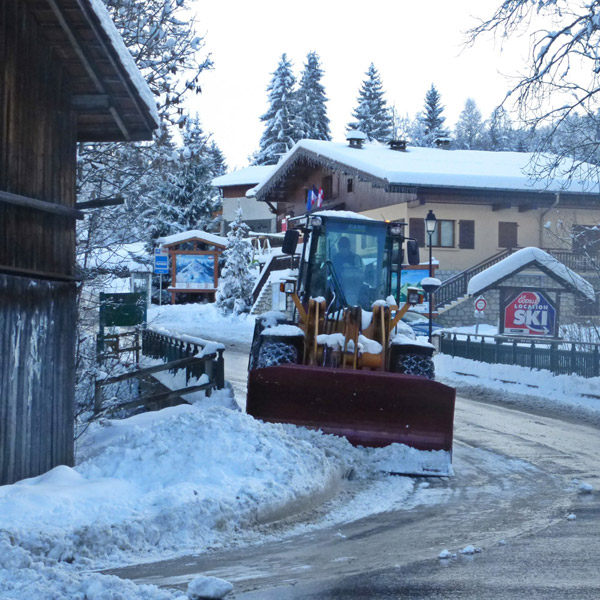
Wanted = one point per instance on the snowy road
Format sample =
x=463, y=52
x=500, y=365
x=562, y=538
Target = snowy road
x=515, y=484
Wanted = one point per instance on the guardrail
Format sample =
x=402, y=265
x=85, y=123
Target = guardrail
x=558, y=356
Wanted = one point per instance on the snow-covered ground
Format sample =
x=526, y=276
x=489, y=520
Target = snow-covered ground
x=190, y=478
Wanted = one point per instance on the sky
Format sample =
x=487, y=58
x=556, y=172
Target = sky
x=412, y=44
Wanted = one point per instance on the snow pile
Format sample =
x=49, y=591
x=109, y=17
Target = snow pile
x=162, y=482
x=202, y=321
x=208, y=587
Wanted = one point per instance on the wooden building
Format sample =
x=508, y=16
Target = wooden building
x=485, y=202
x=65, y=77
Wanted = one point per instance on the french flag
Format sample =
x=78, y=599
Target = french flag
x=320, y=198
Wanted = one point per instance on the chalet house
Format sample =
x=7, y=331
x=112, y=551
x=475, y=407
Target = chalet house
x=65, y=77
x=485, y=202
x=234, y=186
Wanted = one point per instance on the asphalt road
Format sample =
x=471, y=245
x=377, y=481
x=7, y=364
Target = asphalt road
x=516, y=483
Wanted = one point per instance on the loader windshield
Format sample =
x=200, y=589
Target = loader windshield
x=348, y=262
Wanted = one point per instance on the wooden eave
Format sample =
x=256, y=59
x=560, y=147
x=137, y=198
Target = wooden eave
x=108, y=104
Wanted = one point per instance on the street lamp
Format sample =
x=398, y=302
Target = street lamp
x=430, y=227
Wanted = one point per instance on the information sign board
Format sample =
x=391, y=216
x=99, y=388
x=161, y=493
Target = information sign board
x=529, y=313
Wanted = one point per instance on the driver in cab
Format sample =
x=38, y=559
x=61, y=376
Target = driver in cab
x=345, y=257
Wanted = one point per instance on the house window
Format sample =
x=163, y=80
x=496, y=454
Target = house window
x=327, y=185
x=443, y=236
x=507, y=235
x=466, y=234
x=350, y=185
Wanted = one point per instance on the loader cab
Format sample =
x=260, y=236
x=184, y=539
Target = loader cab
x=349, y=261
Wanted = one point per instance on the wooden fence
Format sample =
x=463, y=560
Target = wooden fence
x=196, y=357
x=559, y=357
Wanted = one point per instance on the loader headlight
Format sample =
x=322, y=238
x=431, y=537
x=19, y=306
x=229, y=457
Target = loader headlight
x=289, y=287
x=316, y=221
x=413, y=296
x=396, y=230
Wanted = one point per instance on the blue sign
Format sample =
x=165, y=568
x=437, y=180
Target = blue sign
x=161, y=264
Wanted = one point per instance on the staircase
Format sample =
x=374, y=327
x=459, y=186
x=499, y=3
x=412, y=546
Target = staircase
x=453, y=291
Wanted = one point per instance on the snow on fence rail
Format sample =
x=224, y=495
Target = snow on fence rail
x=559, y=357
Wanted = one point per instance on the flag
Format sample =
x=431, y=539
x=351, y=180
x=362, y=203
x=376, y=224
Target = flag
x=310, y=200
x=320, y=198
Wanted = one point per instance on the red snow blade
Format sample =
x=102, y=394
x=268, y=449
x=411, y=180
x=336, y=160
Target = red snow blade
x=369, y=408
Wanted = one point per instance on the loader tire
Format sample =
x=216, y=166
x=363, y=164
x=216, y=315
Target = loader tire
x=414, y=364
x=273, y=353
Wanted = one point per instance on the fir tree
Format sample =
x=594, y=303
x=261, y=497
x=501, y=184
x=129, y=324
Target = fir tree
x=468, y=133
x=280, y=133
x=186, y=199
x=312, y=121
x=236, y=283
x=499, y=134
x=431, y=117
x=372, y=114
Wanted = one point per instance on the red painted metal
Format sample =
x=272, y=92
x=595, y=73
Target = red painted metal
x=369, y=408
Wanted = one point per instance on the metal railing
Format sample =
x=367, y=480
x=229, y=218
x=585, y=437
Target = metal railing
x=559, y=357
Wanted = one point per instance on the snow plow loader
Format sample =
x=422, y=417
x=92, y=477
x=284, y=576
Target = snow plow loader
x=344, y=362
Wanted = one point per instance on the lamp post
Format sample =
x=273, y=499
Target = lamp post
x=430, y=227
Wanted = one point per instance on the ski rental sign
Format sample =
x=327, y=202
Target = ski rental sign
x=528, y=313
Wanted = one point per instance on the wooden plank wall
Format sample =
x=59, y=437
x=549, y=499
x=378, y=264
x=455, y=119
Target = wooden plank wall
x=37, y=317
x=36, y=390
x=37, y=146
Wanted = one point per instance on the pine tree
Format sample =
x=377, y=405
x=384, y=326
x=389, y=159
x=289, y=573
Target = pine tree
x=312, y=121
x=234, y=294
x=186, y=199
x=280, y=133
x=372, y=114
x=468, y=133
x=431, y=117
x=499, y=134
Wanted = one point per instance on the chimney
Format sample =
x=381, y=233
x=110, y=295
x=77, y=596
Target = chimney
x=356, y=139
x=399, y=145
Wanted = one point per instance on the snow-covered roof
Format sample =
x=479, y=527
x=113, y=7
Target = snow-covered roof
x=524, y=258
x=245, y=176
x=132, y=257
x=431, y=167
x=184, y=236
x=125, y=57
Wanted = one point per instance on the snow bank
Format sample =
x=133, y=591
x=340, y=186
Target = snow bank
x=566, y=394
x=202, y=321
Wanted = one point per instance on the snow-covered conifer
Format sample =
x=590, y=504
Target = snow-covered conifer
x=431, y=117
x=312, y=121
x=468, y=133
x=186, y=199
x=499, y=134
x=236, y=283
x=280, y=133
x=372, y=115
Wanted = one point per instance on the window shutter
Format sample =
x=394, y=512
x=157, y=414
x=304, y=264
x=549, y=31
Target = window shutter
x=466, y=234
x=417, y=230
x=507, y=235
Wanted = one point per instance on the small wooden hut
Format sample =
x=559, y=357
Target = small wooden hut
x=65, y=77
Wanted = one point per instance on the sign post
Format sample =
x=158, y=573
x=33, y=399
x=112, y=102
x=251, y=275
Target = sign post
x=480, y=306
x=161, y=267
